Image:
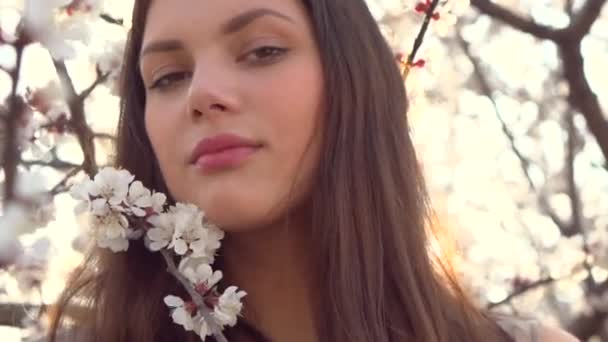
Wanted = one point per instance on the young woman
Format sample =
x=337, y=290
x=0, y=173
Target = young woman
x=317, y=185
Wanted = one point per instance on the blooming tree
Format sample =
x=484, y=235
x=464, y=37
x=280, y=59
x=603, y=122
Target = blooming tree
x=527, y=205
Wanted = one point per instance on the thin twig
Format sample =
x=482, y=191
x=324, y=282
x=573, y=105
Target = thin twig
x=523, y=289
x=65, y=179
x=108, y=18
x=55, y=163
x=515, y=20
x=420, y=37
x=106, y=136
x=100, y=79
x=196, y=297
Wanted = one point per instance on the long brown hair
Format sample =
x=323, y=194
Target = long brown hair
x=369, y=210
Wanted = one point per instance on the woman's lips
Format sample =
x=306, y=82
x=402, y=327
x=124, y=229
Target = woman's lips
x=225, y=159
x=222, y=151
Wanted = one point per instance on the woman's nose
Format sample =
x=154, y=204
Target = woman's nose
x=211, y=94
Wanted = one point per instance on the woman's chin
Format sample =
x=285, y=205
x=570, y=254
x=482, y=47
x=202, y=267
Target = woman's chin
x=234, y=220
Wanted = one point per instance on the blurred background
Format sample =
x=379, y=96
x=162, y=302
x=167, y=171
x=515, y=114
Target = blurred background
x=509, y=112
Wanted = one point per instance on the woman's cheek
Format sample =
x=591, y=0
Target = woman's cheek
x=253, y=198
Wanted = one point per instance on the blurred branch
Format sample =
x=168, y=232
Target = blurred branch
x=105, y=136
x=568, y=41
x=16, y=107
x=54, y=163
x=108, y=18
x=420, y=37
x=100, y=79
x=586, y=326
x=392, y=18
x=77, y=122
x=569, y=7
x=522, y=290
x=523, y=161
x=13, y=314
x=581, y=22
x=573, y=193
x=581, y=96
x=515, y=20
x=60, y=187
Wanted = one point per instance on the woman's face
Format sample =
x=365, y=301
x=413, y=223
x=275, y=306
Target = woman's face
x=243, y=78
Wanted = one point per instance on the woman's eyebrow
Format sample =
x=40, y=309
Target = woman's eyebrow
x=232, y=26
x=239, y=22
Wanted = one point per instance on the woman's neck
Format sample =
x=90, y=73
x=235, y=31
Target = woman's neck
x=275, y=267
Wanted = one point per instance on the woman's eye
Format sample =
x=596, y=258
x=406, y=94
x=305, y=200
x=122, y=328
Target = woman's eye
x=265, y=53
x=169, y=80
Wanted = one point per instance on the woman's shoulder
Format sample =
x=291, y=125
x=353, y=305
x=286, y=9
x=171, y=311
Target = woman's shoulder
x=528, y=329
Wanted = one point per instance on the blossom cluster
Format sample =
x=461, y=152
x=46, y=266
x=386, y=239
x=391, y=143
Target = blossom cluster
x=56, y=24
x=61, y=27
x=122, y=209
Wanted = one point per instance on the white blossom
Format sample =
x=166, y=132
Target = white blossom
x=112, y=185
x=44, y=98
x=229, y=306
x=13, y=223
x=190, y=233
x=179, y=314
x=109, y=58
x=108, y=186
x=459, y=7
x=32, y=187
x=15, y=218
x=140, y=198
x=448, y=15
x=18, y=219
x=110, y=229
x=31, y=266
x=200, y=274
x=161, y=233
x=47, y=22
x=21, y=219
x=190, y=322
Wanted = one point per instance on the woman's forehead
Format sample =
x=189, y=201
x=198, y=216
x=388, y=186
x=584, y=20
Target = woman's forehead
x=213, y=16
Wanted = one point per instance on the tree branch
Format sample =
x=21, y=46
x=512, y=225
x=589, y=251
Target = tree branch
x=13, y=314
x=568, y=40
x=486, y=89
x=77, y=120
x=581, y=97
x=581, y=22
x=420, y=37
x=517, y=21
x=108, y=18
x=16, y=107
x=100, y=79
x=522, y=290
x=574, y=196
x=61, y=185
x=106, y=136
x=197, y=298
